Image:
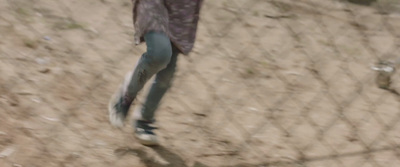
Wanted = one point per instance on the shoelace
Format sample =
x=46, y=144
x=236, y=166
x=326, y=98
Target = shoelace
x=146, y=127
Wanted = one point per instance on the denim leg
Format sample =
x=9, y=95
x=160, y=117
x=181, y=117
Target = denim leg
x=159, y=87
x=157, y=57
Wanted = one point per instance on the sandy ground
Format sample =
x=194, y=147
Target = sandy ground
x=269, y=83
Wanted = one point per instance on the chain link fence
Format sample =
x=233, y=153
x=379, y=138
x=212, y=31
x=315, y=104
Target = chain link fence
x=274, y=83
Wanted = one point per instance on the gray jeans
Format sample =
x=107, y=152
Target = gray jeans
x=160, y=59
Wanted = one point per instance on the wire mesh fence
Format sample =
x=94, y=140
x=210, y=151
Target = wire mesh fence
x=269, y=83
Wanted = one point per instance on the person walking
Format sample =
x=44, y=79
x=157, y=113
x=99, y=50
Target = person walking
x=168, y=27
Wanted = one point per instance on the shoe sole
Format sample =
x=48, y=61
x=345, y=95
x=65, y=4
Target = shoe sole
x=147, y=142
x=150, y=141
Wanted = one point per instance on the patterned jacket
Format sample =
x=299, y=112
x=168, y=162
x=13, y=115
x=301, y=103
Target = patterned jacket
x=176, y=18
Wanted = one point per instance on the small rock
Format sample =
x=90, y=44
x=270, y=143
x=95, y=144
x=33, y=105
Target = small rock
x=75, y=155
x=100, y=143
x=41, y=61
x=14, y=103
x=91, y=29
x=200, y=114
x=13, y=100
x=44, y=70
x=24, y=93
x=7, y=152
x=47, y=38
x=36, y=99
x=39, y=14
x=49, y=48
x=50, y=119
x=253, y=109
x=17, y=165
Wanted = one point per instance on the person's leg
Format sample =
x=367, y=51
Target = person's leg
x=162, y=82
x=157, y=57
x=159, y=87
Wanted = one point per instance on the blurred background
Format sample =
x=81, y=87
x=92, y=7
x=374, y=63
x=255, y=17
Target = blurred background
x=270, y=83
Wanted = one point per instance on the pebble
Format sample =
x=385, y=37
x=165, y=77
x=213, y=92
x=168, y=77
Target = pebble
x=50, y=119
x=7, y=152
x=36, y=99
x=47, y=38
x=44, y=70
x=41, y=61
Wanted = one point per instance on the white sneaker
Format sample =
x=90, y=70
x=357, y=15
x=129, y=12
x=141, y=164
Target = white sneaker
x=144, y=133
x=117, y=110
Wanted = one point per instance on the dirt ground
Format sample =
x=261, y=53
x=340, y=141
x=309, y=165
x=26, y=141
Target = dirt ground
x=269, y=83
